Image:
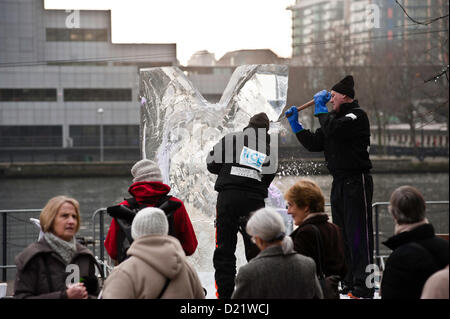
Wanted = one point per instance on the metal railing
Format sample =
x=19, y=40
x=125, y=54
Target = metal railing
x=97, y=240
x=376, y=215
x=29, y=237
x=4, y=214
x=101, y=212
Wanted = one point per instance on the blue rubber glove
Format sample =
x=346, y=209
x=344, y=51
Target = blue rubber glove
x=292, y=116
x=320, y=100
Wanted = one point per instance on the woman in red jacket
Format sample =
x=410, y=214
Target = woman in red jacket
x=148, y=190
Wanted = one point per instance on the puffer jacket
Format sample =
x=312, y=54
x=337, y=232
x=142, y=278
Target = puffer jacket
x=41, y=272
x=153, y=260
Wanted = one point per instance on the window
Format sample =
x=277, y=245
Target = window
x=390, y=13
x=31, y=136
x=338, y=11
x=85, y=135
x=27, y=95
x=56, y=34
x=390, y=35
x=121, y=135
x=79, y=95
x=113, y=135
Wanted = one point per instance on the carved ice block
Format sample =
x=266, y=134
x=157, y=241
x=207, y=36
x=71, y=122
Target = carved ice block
x=179, y=127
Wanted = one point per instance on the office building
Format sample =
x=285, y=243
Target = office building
x=64, y=86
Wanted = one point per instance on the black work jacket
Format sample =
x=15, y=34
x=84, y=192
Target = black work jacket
x=225, y=160
x=344, y=137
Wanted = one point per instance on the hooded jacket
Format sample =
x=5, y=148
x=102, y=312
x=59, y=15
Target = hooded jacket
x=228, y=161
x=344, y=137
x=33, y=278
x=150, y=193
x=153, y=260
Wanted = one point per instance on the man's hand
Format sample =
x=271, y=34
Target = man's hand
x=321, y=98
x=292, y=116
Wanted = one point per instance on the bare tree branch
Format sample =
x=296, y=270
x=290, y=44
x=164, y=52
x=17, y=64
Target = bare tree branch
x=419, y=22
x=436, y=77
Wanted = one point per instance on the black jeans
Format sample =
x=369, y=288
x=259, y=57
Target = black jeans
x=351, y=209
x=233, y=210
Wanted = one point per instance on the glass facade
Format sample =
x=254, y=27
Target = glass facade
x=27, y=95
x=31, y=136
x=76, y=34
x=311, y=22
x=113, y=135
x=80, y=95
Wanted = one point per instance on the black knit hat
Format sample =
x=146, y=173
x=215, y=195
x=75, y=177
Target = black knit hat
x=259, y=120
x=345, y=86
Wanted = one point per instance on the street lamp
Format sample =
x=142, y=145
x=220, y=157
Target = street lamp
x=100, y=112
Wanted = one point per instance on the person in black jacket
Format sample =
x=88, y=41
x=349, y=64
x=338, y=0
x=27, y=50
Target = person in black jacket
x=417, y=252
x=306, y=205
x=245, y=168
x=344, y=137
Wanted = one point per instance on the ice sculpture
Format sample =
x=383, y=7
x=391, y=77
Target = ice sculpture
x=179, y=127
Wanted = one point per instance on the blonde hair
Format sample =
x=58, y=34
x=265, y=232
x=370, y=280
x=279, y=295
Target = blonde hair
x=49, y=212
x=306, y=193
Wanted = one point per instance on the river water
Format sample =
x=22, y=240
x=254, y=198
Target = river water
x=97, y=192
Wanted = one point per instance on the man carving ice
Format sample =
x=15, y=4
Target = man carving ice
x=344, y=137
x=245, y=168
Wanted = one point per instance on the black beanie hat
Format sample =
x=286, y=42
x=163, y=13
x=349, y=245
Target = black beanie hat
x=259, y=120
x=345, y=86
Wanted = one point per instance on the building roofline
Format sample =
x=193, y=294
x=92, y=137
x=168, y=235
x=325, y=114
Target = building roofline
x=68, y=8
x=305, y=4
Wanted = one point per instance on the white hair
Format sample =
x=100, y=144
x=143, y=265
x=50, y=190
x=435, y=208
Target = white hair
x=268, y=225
x=149, y=221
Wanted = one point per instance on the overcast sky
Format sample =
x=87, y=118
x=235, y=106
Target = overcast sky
x=218, y=26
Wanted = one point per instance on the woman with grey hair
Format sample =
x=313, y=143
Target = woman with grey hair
x=277, y=272
x=417, y=251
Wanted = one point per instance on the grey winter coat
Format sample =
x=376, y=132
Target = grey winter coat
x=273, y=275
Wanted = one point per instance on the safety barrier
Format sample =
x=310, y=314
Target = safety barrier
x=22, y=240
x=376, y=215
